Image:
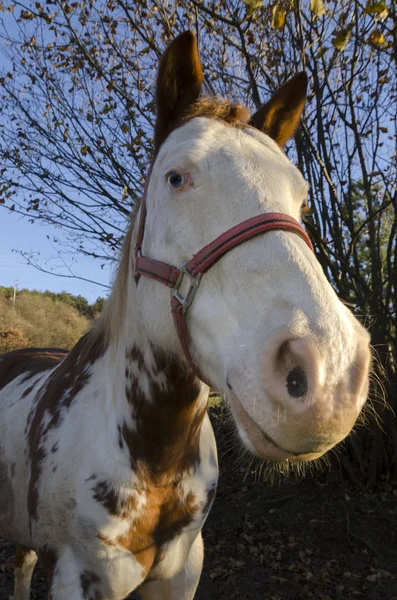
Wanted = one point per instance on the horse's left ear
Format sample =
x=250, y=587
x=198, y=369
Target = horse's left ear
x=179, y=81
x=280, y=117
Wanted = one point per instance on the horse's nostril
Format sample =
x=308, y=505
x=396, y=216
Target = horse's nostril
x=297, y=383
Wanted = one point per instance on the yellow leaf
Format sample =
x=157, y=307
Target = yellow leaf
x=376, y=38
x=125, y=193
x=278, y=16
x=340, y=40
x=317, y=7
x=252, y=6
x=26, y=15
x=375, y=8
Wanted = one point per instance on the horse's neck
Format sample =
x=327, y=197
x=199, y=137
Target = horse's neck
x=160, y=405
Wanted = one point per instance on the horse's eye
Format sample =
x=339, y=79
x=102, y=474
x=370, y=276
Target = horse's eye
x=175, y=179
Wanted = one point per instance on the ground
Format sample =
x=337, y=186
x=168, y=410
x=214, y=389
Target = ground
x=316, y=538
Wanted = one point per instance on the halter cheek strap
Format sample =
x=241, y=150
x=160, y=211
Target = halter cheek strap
x=201, y=262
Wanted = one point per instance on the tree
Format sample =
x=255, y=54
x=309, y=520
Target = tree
x=76, y=120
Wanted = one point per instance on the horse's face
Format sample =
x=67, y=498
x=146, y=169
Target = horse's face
x=265, y=326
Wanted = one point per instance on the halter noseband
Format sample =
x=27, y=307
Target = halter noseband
x=201, y=262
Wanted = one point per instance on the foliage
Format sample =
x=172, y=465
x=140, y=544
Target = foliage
x=40, y=320
x=81, y=304
x=76, y=120
x=12, y=339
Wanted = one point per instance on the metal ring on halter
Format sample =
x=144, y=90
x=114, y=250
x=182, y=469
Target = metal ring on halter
x=194, y=283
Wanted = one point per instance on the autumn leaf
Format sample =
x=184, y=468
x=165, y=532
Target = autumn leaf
x=125, y=193
x=84, y=150
x=340, y=40
x=26, y=15
x=376, y=38
x=252, y=6
x=124, y=128
x=317, y=7
x=376, y=8
x=278, y=16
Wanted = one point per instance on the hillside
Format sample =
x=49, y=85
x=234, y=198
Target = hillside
x=43, y=319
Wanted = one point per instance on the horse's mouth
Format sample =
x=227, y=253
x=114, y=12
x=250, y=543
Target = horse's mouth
x=261, y=444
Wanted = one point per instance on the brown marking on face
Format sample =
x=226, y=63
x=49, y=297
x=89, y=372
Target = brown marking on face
x=58, y=393
x=89, y=582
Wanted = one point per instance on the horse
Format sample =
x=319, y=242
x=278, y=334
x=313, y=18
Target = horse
x=108, y=462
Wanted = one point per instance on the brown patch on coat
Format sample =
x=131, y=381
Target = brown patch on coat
x=48, y=558
x=27, y=391
x=57, y=394
x=165, y=438
x=165, y=513
x=107, y=496
x=30, y=361
x=163, y=446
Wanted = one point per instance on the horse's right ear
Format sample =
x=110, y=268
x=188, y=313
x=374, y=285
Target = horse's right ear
x=179, y=83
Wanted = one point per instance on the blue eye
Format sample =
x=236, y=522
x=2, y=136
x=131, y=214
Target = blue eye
x=175, y=179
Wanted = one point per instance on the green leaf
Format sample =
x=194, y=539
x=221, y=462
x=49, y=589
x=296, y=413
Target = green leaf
x=317, y=7
x=278, y=16
x=340, y=40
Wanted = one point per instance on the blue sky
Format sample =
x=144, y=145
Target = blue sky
x=17, y=233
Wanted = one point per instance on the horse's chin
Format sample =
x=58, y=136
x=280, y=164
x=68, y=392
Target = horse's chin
x=259, y=443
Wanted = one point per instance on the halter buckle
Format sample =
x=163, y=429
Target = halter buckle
x=194, y=283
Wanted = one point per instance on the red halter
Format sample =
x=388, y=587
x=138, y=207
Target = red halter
x=195, y=268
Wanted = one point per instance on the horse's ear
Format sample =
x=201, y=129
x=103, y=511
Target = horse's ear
x=280, y=117
x=179, y=83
